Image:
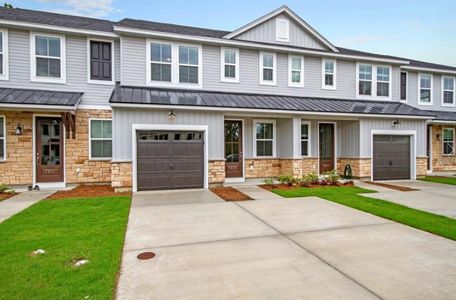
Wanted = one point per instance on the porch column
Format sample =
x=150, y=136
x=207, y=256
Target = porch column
x=296, y=132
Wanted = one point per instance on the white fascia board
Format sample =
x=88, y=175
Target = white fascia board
x=36, y=107
x=246, y=44
x=37, y=26
x=433, y=70
x=252, y=110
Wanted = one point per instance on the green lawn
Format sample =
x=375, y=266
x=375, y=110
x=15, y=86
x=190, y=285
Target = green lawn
x=436, y=179
x=91, y=228
x=348, y=196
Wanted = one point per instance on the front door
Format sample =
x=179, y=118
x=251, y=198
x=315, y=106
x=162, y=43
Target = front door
x=49, y=150
x=326, y=147
x=233, y=149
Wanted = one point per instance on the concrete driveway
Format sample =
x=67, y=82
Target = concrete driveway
x=278, y=248
x=432, y=197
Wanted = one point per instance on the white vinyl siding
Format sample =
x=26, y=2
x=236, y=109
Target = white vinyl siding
x=448, y=91
x=264, y=143
x=100, y=144
x=4, y=61
x=373, y=82
x=328, y=79
x=425, y=89
x=47, y=58
x=448, y=141
x=2, y=138
x=268, y=68
x=229, y=60
x=296, y=71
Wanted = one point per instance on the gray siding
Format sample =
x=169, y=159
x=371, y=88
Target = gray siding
x=124, y=118
x=266, y=33
x=76, y=67
x=133, y=61
x=367, y=125
x=349, y=135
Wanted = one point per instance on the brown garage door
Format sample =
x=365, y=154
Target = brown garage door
x=391, y=157
x=170, y=160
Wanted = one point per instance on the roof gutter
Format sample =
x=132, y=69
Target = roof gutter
x=37, y=107
x=253, y=110
x=412, y=68
x=222, y=41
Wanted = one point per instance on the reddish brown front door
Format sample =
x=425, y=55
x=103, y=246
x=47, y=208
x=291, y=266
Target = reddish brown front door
x=326, y=139
x=49, y=150
x=233, y=149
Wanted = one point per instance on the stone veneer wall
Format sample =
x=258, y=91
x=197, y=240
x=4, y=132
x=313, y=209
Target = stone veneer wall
x=273, y=167
x=216, y=171
x=18, y=167
x=439, y=161
x=121, y=175
x=361, y=167
x=421, y=166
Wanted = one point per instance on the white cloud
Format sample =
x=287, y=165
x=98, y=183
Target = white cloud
x=86, y=8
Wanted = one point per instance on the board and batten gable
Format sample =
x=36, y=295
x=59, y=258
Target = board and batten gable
x=76, y=68
x=266, y=33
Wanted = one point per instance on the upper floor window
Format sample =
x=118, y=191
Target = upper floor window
x=282, y=30
x=448, y=141
x=173, y=64
x=48, y=58
x=328, y=74
x=425, y=89
x=305, y=138
x=4, y=55
x=268, y=68
x=448, y=91
x=2, y=138
x=403, y=85
x=229, y=65
x=264, y=138
x=373, y=81
x=160, y=62
x=100, y=59
x=100, y=139
x=296, y=69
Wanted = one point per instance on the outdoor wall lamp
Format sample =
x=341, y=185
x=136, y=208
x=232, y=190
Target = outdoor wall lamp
x=18, y=129
x=396, y=122
x=171, y=115
x=438, y=136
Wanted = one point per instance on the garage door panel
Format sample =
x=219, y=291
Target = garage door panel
x=153, y=165
x=149, y=181
x=391, y=157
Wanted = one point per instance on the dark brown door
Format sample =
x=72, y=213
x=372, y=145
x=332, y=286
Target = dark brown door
x=49, y=150
x=233, y=149
x=326, y=147
x=170, y=160
x=391, y=157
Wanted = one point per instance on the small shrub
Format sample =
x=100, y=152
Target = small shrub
x=286, y=179
x=311, y=178
x=268, y=181
x=331, y=177
x=4, y=188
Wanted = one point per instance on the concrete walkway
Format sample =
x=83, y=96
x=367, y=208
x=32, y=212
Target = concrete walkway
x=432, y=197
x=15, y=204
x=256, y=192
x=276, y=248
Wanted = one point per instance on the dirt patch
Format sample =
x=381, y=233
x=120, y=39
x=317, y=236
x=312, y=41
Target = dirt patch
x=270, y=187
x=392, y=186
x=84, y=191
x=230, y=194
x=4, y=196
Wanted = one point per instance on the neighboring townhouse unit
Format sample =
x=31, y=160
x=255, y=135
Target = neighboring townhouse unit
x=148, y=105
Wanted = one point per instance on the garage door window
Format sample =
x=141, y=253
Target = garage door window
x=448, y=141
x=100, y=139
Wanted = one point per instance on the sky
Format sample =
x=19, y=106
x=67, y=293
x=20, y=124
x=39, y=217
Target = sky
x=413, y=29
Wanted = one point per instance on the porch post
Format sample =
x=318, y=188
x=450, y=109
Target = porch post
x=296, y=137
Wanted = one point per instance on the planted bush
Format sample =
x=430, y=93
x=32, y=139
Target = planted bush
x=311, y=178
x=4, y=188
x=268, y=181
x=286, y=179
x=331, y=177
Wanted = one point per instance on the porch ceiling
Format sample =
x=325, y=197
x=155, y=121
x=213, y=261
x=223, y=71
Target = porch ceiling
x=19, y=98
x=126, y=95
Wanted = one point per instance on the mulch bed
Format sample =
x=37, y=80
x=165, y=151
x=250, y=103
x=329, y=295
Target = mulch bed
x=4, y=196
x=228, y=193
x=392, y=186
x=84, y=191
x=270, y=187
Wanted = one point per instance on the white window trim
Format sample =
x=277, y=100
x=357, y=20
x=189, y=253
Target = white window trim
x=98, y=139
x=274, y=69
x=5, y=75
x=274, y=137
x=443, y=142
x=290, y=69
x=222, y=65
x=2, y=159
x=323, y=73
x=374, y=81
x=33, y=76
x=309, y=138
x=94, y=81
x=419, y=90
x=443, y=90
x=406, y=86
x=287, y=24
x=174, y=66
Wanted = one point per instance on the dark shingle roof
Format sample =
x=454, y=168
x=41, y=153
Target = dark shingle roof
x=38, y=97
x=42, y=17
x=444, y=115
x=154, y=96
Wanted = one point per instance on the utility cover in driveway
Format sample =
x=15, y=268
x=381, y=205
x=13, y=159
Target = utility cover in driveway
x=170, y=160
x=391, y=157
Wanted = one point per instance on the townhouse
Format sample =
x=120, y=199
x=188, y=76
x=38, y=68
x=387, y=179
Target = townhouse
x=145, y=105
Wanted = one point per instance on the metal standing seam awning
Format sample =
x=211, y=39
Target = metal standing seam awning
x=142, y=96
x=31, y=99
